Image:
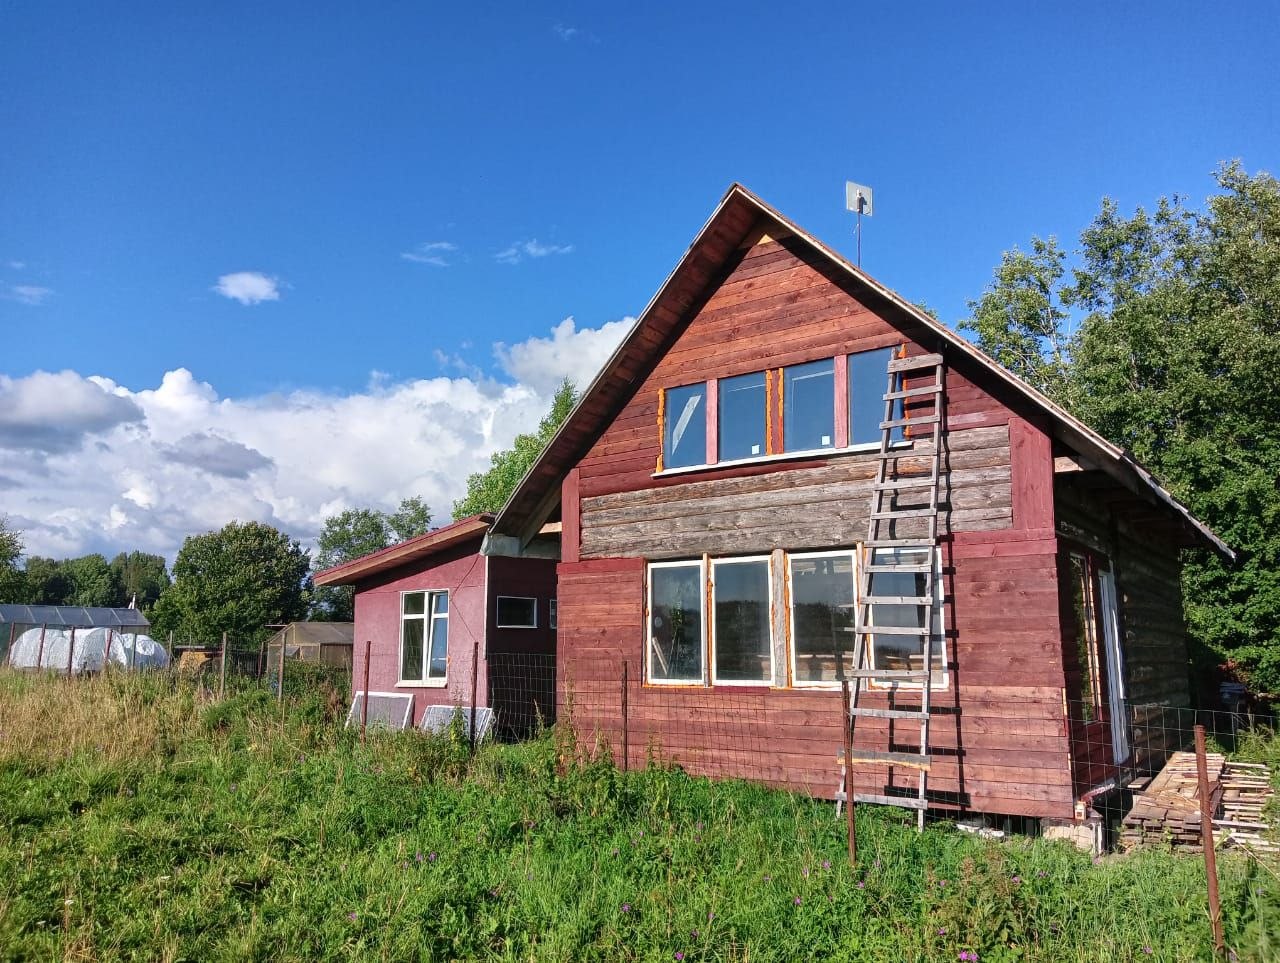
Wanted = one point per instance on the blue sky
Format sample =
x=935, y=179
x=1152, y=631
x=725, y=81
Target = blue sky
x=149, y=150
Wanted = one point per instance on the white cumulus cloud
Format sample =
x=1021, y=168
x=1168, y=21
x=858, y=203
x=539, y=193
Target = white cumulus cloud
x=93, y=465
x=248, y=287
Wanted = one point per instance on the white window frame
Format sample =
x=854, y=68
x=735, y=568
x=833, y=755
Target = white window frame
x=429, y=618
x=648, y=621
x=522, y=598
x=710, y=620
x=852, y=553
x=938, y=636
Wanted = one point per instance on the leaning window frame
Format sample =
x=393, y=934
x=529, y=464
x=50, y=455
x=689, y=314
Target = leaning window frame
x=938, y=636
x=506, y=625
x=709, y=671
x=648, y=622
x=428, y=617
x=791, y=613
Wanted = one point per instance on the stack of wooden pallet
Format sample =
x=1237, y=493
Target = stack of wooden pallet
x=1246, y=791
x=1166, y=809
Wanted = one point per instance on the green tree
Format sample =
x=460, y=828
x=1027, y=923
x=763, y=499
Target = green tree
x=1167, y=335
x=489, y=490
x=93, y=581
x=47, y=582
x=13, y=583
x=356, y=532
x=141, y=576
x=237, y=580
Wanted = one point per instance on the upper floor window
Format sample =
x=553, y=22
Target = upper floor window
x=684, y=426
x=809, y=406
x=424, y=636
x=868, y=378
x=742, y=416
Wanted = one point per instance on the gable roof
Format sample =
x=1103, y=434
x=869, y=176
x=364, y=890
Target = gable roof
x=411, y=550
x=701, y=269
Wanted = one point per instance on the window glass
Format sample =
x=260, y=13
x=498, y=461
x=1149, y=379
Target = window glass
x=822, y=616
x=675, y=623
x=809, y=406
x=414, y=602
x=517, y=613
x=552, y=613
x=439, y=645
x=906, y=652
x=684, y=427
x=741, y=413
x=868, y=377
x=411, y=649
x=742, y=639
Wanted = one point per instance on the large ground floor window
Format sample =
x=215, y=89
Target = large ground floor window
x=714, y=623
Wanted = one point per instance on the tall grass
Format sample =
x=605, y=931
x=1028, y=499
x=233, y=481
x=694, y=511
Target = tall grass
x=140, y=820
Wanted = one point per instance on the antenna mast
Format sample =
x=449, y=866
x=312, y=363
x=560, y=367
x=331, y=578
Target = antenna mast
x=858, y=198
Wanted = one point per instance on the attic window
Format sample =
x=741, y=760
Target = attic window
x=867, y=381
x=684, y=426
x=741, y=413
x=809, y=406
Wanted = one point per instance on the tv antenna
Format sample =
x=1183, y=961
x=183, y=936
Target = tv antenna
x=858, y=198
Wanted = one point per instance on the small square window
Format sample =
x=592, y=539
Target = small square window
x=517, y=613
x=809, y=406
x=684, y=427
x=552, y=614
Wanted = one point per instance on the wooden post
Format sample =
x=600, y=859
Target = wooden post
x=133, y=651
x=71, y=652
x=13, y=629
x=40, y=654
x=626, y=728
x=475, y=680
x=170, y=652
x=262, y=658
x=848, y=772
x=364, y=703
x=106, y=651
x=1206, y=840
x=280, y=681
x=222, y=670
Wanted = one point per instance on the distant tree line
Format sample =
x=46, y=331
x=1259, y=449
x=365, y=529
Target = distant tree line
x=130, y=577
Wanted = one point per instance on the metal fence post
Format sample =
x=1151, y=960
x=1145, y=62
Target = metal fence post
x=1206, y=840
x=222, y=670
x=13, y=629
x=71, y=652
x=364, y=703
x=40, y=654
x=848, y=772
x=475, y=677
x=626, y=726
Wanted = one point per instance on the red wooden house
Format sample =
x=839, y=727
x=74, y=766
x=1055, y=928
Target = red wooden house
x=714, y=485
x=445, y=621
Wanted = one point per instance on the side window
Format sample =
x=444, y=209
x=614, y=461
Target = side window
x=424, y=636
x=517, y=613
x=809, y=406
x=741, y=634
x=552, y=614
x=684, y=426
x=677, y=623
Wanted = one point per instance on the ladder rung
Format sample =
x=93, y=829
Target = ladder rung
x=904, y=569
x=924, y=481
x=906, y=513
x=888, y=713
x=904, y=543
x=893, y=630
x=909, y=422
x=911, y=364
x=924, y=451
x=913, y=393
x=897, y=600
x=913, y=760
x=888, y=675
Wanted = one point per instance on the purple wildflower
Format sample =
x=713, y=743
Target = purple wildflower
x=942, y=931
x=861, y=884
x=404, y=864
x=1147, y=950
x=797, y=900
x=679, y=955
x=768, y=878
x=826, y=864
x=1041, y=873
x=805, y=872
x=942, y=882
x=697, y=838
x=432, y=857
x=417, y=857
x=694, y=934
x=642, y=832
x=626, y=907
x=352, y=917
x=711, y=915
x=1017, y=879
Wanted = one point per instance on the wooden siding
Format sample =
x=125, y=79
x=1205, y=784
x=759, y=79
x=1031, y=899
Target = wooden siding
x=802, y=505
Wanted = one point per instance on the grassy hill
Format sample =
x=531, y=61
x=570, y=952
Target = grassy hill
x=140, y=821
